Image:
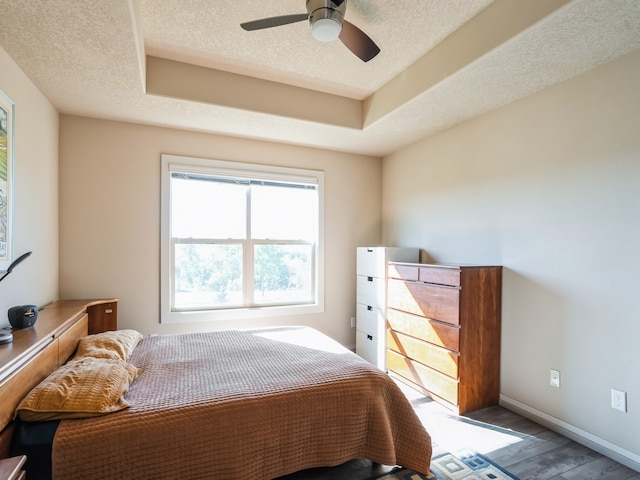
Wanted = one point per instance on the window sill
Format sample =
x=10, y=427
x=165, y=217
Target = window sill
x=200, y=316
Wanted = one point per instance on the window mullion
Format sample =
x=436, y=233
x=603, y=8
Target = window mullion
x=248, y=249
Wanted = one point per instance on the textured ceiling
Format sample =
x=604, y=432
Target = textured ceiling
x=404, y=29
x=441, y=62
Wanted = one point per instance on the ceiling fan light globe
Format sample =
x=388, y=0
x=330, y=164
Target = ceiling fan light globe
x=326, y=29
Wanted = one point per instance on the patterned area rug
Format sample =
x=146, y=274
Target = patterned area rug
x=464, y=465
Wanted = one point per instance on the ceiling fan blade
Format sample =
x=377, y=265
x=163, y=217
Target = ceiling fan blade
x=358, y=42
x=274, y=21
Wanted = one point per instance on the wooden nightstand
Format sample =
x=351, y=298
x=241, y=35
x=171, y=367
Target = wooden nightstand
x=11, y=468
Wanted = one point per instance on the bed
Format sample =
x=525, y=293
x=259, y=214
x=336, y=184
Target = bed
x=242, y=404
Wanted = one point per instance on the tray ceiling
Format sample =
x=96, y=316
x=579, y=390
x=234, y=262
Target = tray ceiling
x=189, y=65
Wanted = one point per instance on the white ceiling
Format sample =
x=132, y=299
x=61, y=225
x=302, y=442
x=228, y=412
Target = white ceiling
x=88, y=58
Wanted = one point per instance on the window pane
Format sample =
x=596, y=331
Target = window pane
x=283, y=274
x=207, y=275
x=208, y=209
x=280, y=212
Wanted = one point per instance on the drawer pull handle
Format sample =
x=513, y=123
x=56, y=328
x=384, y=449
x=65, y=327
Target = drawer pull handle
x=369, y=279
x=369, y=337
x=370, y=308
x=370, y=250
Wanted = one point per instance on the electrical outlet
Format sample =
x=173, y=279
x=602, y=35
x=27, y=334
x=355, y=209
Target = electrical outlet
x=554, y=378
x=353, y=322
x=619, y=400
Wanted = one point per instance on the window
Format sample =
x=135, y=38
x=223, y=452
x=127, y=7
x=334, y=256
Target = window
x=239, y=240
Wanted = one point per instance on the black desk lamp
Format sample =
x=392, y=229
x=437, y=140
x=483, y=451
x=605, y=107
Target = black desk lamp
x=5, y=335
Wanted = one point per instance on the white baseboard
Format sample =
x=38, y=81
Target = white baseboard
x=619, y=454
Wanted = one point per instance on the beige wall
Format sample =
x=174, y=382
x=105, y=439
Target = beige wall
x=35, y=209
x=549, y=187
x=110, y=217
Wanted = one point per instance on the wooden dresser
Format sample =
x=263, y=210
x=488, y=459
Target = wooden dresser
x=443, y=332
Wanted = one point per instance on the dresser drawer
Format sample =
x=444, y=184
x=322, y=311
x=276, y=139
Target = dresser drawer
x=371, y=291
x=438, y=358
x=372, y=261
x=441, y=385
x=367, y=347
x=432, y=301
x=370, y=319
x=403, y=271
x=438, y=333
x=440, y=275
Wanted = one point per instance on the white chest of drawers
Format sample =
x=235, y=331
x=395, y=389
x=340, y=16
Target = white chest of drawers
x=371, y=298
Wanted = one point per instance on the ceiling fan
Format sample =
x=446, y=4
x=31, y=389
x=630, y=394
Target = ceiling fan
x=326, y=18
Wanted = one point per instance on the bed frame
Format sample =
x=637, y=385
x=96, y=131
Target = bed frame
x=39, y=350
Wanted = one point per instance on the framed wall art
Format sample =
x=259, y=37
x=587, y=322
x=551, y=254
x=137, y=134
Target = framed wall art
x=7, y=108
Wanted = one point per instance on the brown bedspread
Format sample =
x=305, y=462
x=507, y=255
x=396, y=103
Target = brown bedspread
x=244, y=405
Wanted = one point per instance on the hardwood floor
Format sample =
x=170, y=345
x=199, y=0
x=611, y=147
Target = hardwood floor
x=526, y=449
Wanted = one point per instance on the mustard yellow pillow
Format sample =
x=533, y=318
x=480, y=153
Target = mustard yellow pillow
x=82, y=388
x=117, y=344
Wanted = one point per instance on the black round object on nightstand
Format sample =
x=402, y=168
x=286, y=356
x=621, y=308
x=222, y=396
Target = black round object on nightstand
x=22, y=316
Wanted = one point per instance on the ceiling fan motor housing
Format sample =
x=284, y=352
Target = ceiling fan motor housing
x=325, y=17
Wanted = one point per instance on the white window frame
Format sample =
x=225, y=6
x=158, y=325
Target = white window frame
x=217, y=167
